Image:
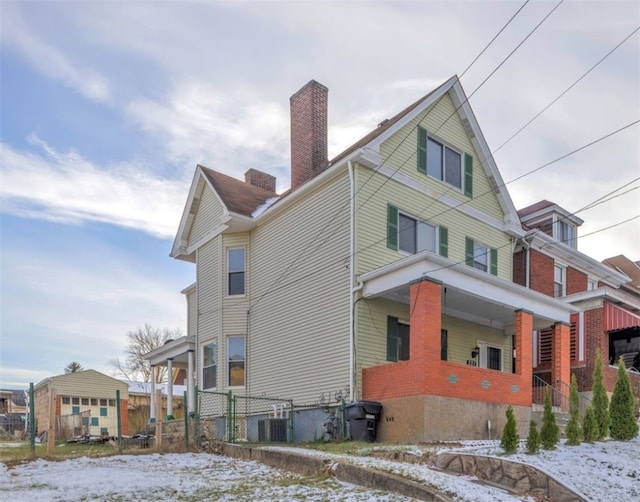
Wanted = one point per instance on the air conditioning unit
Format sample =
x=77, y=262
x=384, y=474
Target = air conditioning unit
x=272, y=430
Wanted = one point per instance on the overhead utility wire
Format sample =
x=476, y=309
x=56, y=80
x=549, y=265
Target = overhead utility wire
x=444, y=267
x=340, y=209
x=342, y=260
x=490, y=156
x=451, y=208
x=566, y=90
x=466, y=100
x=493, y=39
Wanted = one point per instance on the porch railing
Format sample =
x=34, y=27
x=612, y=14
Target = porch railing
x=560, y=393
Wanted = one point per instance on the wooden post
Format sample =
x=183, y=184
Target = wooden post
x=51, y=431
x=158, y=411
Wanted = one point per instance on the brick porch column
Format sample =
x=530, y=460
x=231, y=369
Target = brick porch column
x=561, y=358
x=524, y=350
x=425, y=319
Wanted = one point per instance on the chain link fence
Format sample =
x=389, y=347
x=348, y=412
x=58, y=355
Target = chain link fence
x=233, y=418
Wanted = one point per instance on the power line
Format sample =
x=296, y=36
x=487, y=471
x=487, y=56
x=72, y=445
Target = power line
x=493, y=39
x=343, y=207
x=565, y=91
x=451, y=208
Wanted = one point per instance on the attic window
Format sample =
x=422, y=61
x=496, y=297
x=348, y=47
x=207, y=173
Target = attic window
x=566, y=233
x=445, y=163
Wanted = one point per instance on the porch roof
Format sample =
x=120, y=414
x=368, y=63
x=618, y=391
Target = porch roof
x=175, y=349
x=470, y=294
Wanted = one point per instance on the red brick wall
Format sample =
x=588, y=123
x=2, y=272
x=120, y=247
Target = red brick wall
x=308, y=132
x=520, y=268
x=426, y=374
x=541, y=272
x=576, y=281
x=260, y=179
x=561, y=363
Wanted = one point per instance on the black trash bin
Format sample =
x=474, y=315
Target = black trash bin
x=362, y=417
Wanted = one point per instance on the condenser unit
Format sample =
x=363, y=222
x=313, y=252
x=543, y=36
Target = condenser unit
x=272, y=430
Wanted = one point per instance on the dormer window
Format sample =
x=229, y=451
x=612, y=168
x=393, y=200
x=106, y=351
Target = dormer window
x=566, y=233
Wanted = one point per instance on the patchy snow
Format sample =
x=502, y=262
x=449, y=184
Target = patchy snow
x=264, y=206
x=600, y=472
x=169, y=477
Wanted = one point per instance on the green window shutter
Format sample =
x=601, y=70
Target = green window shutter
x=392, y=338
x=468, y=251
x=444, y=241
x=422, y=150
x=468, y=175
x=392, y=227
x=493, y=253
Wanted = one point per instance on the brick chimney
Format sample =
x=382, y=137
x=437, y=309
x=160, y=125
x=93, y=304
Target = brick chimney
x=308, y=132
x=260, y=179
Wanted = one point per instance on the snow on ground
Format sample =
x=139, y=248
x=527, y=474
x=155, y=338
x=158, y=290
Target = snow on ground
x=600, y=472
x=170, y=477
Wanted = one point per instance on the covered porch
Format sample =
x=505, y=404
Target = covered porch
x=470, y=347
x=174, y=354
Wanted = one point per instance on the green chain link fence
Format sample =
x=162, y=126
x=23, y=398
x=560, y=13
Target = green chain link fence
x=234, y=418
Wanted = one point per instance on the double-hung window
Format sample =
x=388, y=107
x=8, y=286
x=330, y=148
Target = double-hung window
x=209, y=366
x=481, y=257
x=559, y=281
x=236, y=265
x=397, y=340
x=411, y=235
x=236, y=354
x=566, y=233
x=444, y=163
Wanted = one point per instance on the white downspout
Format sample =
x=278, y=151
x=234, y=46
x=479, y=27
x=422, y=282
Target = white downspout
x=352, y=288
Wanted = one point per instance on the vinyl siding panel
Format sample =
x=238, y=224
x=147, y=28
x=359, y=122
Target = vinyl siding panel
x=442, y=122
x=89, y=383
x=463, y=335
x=208, y=215
x=377, y=191
x=209, y=277
x=192, y=312
x=299, y=309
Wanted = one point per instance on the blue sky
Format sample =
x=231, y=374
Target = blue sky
x=107, y=107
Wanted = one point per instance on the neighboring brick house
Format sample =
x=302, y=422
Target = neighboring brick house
x=384, y=274
x=83, y=402
x=547, y=260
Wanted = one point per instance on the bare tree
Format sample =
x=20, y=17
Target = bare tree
x=139, y=342
x=73, y=367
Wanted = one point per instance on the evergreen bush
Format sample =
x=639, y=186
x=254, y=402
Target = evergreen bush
x=623, y=420
x=589, y=425
x=549, y=433
x=573, y=427
x=533, y=441
x=600, y=400
x=510, y=437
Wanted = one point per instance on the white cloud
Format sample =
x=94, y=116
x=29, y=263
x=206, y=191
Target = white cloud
x=231, y=132
x=64, y=187
x=50, y=61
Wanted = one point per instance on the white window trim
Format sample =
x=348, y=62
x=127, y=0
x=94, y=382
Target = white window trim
x=244, y=271
x=418, y=221
x=557, y=220
x=227, y=362
x=217, y=364
x=487, y=256
x=564, y=279
x=483, y=346
x=448, y=145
